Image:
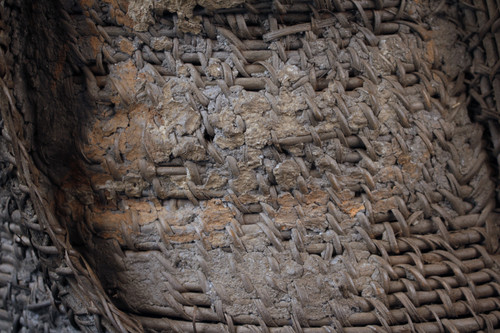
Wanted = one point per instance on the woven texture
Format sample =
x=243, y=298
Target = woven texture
x=481, y=23
x=27, y=303
x=270, y=166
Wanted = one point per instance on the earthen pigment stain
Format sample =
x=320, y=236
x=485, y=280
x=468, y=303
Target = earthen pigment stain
x=256, y=268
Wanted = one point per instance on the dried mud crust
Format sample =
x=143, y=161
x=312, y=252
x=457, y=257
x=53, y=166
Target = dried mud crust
x=265, y=172
x=141, y=12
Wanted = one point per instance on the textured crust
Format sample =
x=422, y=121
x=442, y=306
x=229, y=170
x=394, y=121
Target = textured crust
x=141, y=12
x=292, y=166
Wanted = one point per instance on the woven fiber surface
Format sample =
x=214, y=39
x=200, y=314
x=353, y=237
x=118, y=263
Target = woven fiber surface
x=481, y=27
x=27, y=302
x=301, y=166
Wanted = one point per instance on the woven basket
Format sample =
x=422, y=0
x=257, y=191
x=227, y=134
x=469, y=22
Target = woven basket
x=230, y=166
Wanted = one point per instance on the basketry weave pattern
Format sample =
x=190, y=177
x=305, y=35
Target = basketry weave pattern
x=301, y=166
x=484, y=87
x=27, y=303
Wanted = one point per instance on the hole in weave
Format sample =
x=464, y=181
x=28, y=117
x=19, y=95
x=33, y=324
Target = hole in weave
x=474, y=110
x=207, y=136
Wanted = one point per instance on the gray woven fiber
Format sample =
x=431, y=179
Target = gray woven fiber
x=247, y=166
